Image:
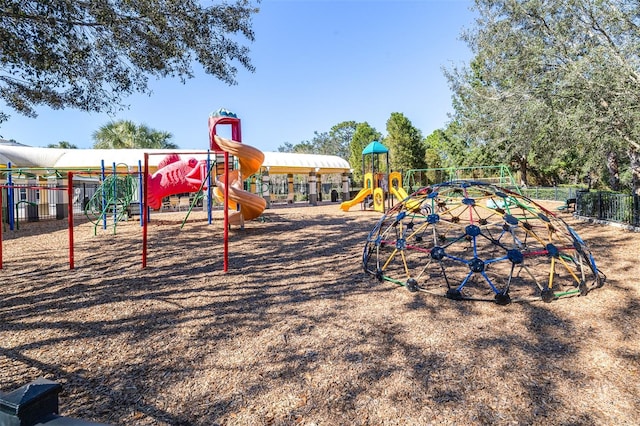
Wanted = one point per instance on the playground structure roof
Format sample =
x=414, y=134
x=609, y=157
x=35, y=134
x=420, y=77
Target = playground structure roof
x=375, y=147
x=21, y=156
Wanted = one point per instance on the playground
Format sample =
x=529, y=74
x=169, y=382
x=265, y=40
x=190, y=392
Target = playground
x=296, y=332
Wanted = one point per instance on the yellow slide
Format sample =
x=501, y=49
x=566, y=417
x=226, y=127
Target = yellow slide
x=250, y=159
x=364, y=193
x=402, y=195
x=399, y=193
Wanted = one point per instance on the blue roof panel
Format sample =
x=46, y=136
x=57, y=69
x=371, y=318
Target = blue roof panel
x=375, y=147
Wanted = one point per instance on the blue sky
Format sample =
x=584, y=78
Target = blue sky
x=318, y=63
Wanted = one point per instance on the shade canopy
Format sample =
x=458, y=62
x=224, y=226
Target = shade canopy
x=375, y=147
x=22, y=156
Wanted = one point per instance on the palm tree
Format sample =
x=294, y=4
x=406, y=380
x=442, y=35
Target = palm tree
x=114, y=135
x=125, y=134
x=63, y=145
x=154, y=139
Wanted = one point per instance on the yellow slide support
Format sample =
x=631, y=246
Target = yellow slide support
x=378, y=200
x=395, y=186
x=396, y=189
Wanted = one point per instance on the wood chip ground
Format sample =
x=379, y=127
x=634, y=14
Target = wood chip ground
x=295, y=333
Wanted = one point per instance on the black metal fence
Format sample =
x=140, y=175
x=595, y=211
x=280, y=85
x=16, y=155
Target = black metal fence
x=610, y=206
x=43, y=202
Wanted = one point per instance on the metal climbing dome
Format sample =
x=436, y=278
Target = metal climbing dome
x=477, y=241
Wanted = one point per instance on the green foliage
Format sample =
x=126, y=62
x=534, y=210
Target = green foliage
x=341, y=136
x=90, y=54
x=454, y=149
x=346, y=140
x=335, y=142
x=286, y=147
x=125, y=134
x=550, y=75
x=363, y=135
x=323, y=144
x=63, y=145
x=406, y=148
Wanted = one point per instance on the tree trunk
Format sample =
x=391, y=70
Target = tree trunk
x=634, y=157
x=522, y=164
x=613, y=166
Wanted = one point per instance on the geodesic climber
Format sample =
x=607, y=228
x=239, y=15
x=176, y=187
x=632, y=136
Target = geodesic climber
x=472, y=240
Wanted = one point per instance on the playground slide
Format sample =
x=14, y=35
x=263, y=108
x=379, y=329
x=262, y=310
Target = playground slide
x=364, y=193
x=402, y=195
x=250, y=159
x=399, y=193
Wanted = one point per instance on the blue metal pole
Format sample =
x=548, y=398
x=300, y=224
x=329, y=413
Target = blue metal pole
x=114, y=194
x=142, y=211
x=104, y=196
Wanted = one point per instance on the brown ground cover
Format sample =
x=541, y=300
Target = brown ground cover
x=297, y=333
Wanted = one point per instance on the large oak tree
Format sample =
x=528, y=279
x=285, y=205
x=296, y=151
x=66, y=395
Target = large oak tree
x=90, y=54
x=552, y=75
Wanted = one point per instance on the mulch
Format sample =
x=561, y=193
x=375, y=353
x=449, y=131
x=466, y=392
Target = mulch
x=295, y=333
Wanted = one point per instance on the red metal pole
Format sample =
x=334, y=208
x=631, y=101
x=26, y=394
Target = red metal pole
x=70, y=208
x=235, y=135
x=143, y=209
x=225, y=267
x=1, y=225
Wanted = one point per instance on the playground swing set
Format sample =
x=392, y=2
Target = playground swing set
x=109, y=192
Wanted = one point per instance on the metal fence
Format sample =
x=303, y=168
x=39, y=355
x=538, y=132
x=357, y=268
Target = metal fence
x=609, y=206
x=43, y=202
x=556, y=193
x=279, y=188
x=32, y=203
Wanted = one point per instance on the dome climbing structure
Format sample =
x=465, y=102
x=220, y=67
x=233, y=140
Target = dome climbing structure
x=472, y=240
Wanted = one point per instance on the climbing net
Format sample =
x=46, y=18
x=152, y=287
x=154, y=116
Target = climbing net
x=473, y=240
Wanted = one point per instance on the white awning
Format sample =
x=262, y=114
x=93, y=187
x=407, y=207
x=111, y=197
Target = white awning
x=69, y=159
x=287, y=162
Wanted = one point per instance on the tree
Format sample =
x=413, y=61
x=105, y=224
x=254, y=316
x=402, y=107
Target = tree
x=451, y=147
x=154, y=139
x=286, y=147
x=431, y=157
x=341, y=136
x=322, y=144
x=495, y=106
x=304, y=147
x=63, y=145
x=336, y=142
x=89, y=55
x=406, y=147
x=550, y=70
x=125, y=134
x=363, y=135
